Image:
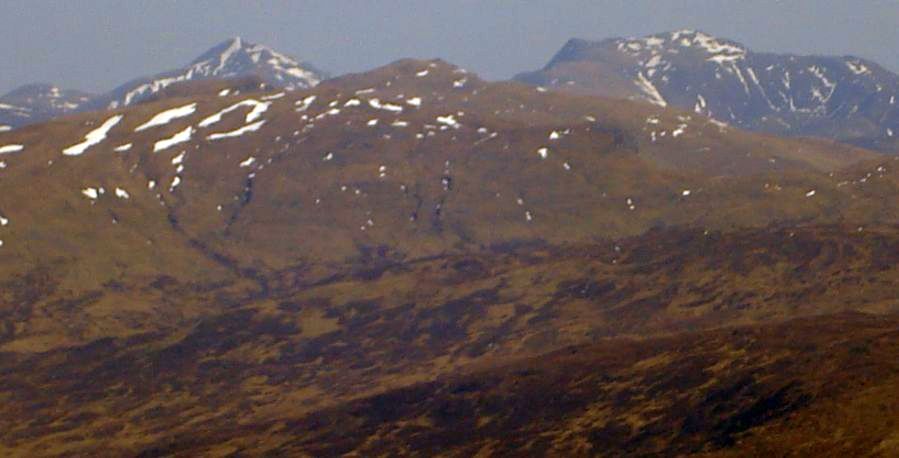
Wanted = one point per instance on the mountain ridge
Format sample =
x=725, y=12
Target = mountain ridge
x=846, y=98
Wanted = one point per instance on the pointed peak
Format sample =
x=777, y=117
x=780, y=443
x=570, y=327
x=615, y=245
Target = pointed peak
x=236, y=41
x=233, y=58
x=224, y=48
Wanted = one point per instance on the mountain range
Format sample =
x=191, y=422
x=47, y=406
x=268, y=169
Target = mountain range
x=412, y=260
x=848, y=98
x=232, y=59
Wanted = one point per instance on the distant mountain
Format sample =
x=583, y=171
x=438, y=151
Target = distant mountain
x=846, y=98
x=246, y=64
x=234, y=58
x=38, y=102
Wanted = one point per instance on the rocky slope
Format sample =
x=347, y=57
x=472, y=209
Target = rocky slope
x=846, y=98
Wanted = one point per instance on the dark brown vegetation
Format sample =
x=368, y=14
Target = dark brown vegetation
x=821, y=386
x=261, y=370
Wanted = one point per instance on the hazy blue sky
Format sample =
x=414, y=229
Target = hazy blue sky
x=96, y=44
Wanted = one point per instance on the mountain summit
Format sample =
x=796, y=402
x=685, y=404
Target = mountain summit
x=234, y=58
x=237, y=58
x=846, y=98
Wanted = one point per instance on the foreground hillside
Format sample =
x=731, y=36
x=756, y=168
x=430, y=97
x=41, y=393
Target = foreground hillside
x=816, y=387
x=272, y=370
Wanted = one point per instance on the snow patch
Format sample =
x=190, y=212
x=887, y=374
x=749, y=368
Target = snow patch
x=180, y=137
x=376, y=104
x=857, y=67
x=6, y=149
x=258, y=109
x=93, y=137
x=449, y=120
x=650, y=90
x=91, y=193
x=168, y=116
x=304, y=104
x=238, y=132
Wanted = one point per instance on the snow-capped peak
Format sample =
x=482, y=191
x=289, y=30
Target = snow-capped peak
x=233, y=58
x=811, y=95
